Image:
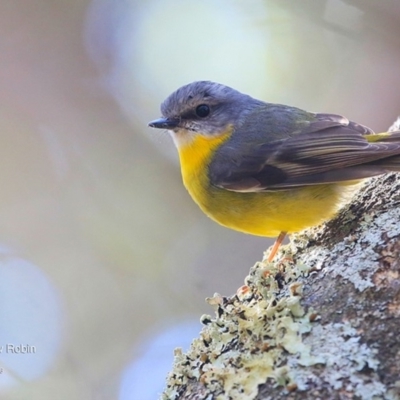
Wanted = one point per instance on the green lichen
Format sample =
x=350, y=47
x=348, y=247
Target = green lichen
x=248, y=339
x=264, y=333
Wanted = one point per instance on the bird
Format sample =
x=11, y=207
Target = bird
x=269, y=169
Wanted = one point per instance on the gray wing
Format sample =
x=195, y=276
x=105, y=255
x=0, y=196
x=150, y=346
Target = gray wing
x=293, y=148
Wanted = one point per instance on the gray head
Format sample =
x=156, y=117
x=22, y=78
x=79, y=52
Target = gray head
x=204, y=107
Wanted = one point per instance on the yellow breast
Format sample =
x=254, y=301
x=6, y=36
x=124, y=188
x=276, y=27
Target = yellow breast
x=259, y=213
x=195, y=154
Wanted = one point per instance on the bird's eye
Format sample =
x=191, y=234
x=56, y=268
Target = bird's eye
x=202, y=110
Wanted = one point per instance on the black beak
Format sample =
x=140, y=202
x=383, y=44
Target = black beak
x=164, y=123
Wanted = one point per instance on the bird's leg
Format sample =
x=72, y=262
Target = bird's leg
x=276, y=246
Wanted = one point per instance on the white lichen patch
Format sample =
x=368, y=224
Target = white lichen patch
x=357, y=261
x=338, y=348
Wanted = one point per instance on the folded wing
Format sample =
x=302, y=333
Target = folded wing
x=318, y=149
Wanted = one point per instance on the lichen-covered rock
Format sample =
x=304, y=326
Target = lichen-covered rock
x=323, y=323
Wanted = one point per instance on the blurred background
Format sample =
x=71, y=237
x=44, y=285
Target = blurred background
x=105, y=261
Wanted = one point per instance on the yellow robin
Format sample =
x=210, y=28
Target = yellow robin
x=269, y=169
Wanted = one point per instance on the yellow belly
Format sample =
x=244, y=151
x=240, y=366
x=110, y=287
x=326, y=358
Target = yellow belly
x=260, y=213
